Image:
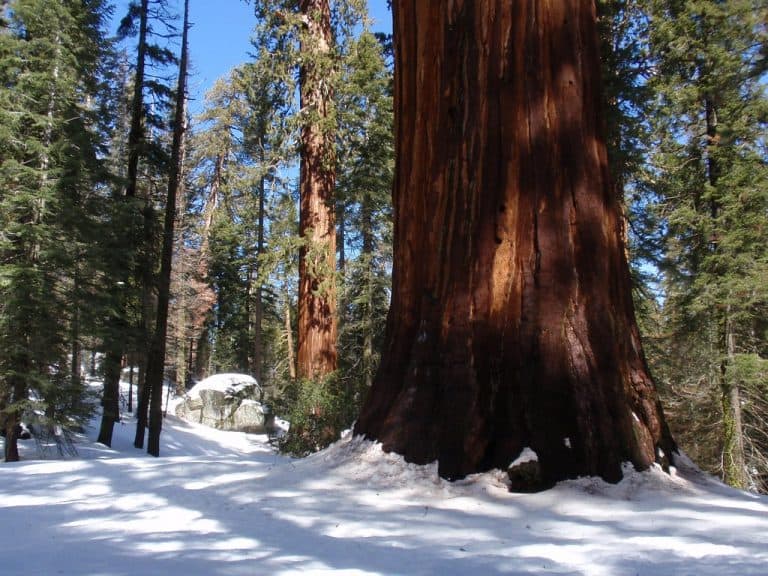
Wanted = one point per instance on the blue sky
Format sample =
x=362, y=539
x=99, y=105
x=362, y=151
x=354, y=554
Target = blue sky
x=220, y=37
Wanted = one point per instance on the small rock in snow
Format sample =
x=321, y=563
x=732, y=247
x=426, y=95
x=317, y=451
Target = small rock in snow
x=525, y=473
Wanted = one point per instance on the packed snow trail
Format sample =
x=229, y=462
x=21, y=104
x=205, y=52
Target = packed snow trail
x=224, y=503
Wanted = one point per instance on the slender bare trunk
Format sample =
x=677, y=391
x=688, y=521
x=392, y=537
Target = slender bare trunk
x=289, y=340
x=111, y=395
x=734, y=460
x=12, y=419
x=258, y=304
x=136, y=132
x=341, y=239
x=209, y=211
x=180, y=327
x=367, y=253
x=116, y=336
x=76, y=350
x=130, y=388
x=156, y=363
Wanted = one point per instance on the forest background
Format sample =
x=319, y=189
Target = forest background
x=87, y=163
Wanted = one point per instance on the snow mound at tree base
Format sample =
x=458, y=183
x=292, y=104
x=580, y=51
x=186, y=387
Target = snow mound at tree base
x=364, y=460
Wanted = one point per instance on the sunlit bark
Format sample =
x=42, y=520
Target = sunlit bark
x=511, y=323
x=317, y=331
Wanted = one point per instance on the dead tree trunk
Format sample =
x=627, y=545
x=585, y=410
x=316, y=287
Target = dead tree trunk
x=368, y=248
x=289, y=339
x=257, y=276
x=512, y=322
x=318, y=329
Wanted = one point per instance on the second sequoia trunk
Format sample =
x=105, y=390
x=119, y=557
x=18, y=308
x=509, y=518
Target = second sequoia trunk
x=512, y=322
x=318, y=328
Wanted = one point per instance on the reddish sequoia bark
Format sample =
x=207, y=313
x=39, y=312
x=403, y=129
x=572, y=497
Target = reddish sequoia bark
x=511, y=322
x=317, y=333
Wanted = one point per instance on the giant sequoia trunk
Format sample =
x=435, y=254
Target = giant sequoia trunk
x=511, y=323
x=317, y=265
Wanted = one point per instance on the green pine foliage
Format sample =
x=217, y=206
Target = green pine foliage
x=141, y=159
x=684, y=89
x=709, y=173
x=236, y=152
x=364, y=184
x=281, y=266
x=245, y=154
x=227, y=271
x=49, y=166
x=318, y=413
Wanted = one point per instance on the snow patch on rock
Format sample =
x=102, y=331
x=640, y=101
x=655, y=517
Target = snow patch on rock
x=230, y=384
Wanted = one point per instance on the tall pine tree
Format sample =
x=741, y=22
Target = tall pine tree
x=153, y=387
x=49, y=164
x=364, y=210
x=710, y=174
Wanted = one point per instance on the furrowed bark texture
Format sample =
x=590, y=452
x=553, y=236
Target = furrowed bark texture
x=317, y=330
x=511, y=322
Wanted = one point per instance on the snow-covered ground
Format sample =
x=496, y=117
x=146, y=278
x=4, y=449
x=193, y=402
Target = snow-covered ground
x=226, y=503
